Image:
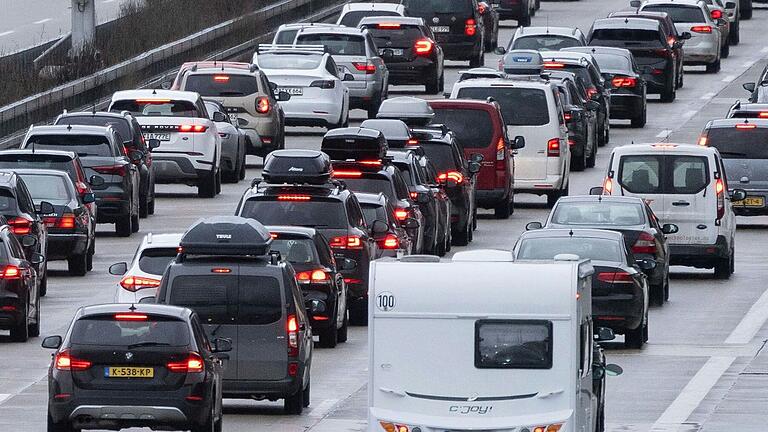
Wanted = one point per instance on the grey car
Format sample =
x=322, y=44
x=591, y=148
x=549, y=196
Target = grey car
x=233, y=142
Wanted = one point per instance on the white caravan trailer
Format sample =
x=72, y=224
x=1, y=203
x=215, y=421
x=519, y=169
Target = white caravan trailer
x=480, y=343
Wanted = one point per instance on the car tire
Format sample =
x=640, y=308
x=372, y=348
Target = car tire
x=725, y=51
x=462, y=238
x=723, y=267
x=78, y=264
x=503, y=210
x=713, y=67
x=33, y=330
x=206, y=188
x=432, y=86
x=329, y=337
x=745, y=13
x=144, y=206
x=734, y=37
x=218, y=181
x=307, y=393
x=343, y=331
x=20, y=332
x=44, y=285
x=151, y=205
x=666, y=288
x=656, y=294
x=640, y=120
x=243, y=167
x=600, y=423
x=635, y=338
x=669, y=94
x=135, y=221
x=478, y=61
x=591, y=159
x=294, y=404
x=358, y=312
x=123, y=226
x=208, y=424
x=681, y=79
x=552, y=197
x=91, y=253
x=63, y=426
x=579, y=163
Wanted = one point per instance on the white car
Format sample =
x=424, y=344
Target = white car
x=189, y=150
x=318, y=96
x=233, y=142
x=352, y=13
x=286, y=33
x=546, y=38
x=141, y=277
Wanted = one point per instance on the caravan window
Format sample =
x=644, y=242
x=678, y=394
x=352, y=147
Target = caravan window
x=513, y=344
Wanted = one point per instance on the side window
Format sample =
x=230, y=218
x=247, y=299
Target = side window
x=400, y=187
x=24, y=199
x=199, y=334
x=265, y=87
x=331, y=67
x=117, y=145
x=354, y=213
x=138, y=139
x=201, y=111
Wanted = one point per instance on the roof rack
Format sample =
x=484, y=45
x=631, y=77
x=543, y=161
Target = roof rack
x=309, y=49
x=354, y=143
x=481, y=72
x=225, y=236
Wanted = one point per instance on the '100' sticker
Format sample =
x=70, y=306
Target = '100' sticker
x=385, y=301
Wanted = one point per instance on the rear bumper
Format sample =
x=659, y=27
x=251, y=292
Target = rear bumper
x=705, y=52
x=551, y=183
x=462, y=50
x=178, y=169
x=489, y=198
x=626, y=106
x=8, y=317
x=699, y=255
x=312, y=112
x=112, y=207
x=63, y=246
x=415, y=72
x=246, y=389
x=618, y=312
x=514, y=11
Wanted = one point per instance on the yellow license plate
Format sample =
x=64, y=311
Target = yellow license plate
x=750, y=202
x=128, y=372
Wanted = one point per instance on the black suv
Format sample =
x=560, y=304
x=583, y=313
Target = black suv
x=581, y=118
x=458, y=25
x=409, y=50
x=122, y=366
x=297, y=190
x=20, y=295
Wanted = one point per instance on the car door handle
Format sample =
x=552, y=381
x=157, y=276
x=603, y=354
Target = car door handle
x=681, y=203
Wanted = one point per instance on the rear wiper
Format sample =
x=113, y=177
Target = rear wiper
x=145, y=344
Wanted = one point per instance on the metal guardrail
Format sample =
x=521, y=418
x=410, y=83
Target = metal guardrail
x=149, y=68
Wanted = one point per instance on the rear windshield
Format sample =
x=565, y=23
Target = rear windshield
x=612, y=62
x=679, y=13
x=372, y=184
x=83, y=145
x=106, y=331
x=296, y=251
x=51, y=188
x=157, y=108
x=120, y=125
x=316, y=212
x=592, y=248
x=545, y=42
x=513, y=344
x=739, y=143
x=352, y=19
x=580, y=72
x=627, y=36
x=36, y=161
x=289, y=61
x=676, y=174
x=441, y=155
x=7, y=201
x=155, y=260
x=519, y=106
x=373, y=212
x=335, y=44
x=400, y=37
x=222, y=85
x=286, y=37
x=598, y=213
x=473, y=127
x=429, y=7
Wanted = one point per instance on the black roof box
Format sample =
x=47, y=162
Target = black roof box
x=297, y=166
x=355, y=143
x=226, y=235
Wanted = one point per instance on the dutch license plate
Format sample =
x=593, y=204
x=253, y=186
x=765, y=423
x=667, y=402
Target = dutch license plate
x=439, y=29
x=293, y=91
x=750, y=202
x=158, y=136
x=128, y=372
x=395, y=51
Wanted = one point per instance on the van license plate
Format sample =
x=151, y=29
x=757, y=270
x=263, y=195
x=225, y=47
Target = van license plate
x=439, y=29
x=128, y=372
x=158, y=136
x=750, y=202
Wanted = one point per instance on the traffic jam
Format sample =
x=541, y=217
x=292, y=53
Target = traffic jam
x=330, y=195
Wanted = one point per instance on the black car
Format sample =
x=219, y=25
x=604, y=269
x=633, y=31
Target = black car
x=307, y=196
x=121, y=366
x=19, y=288
x=71, y=231
x=130, y=130
x=318, y=274
x=580, y=116
x=377, y=209
x=517, y=10
x=748, y=110
x=490, y=17
x=619, y=286
x=409, y=50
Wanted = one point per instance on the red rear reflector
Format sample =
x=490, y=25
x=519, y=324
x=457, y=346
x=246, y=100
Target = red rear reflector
x=130, y=317
x=553, y=65
x=746, y=126
x=221, y=78
x=388, y=25
x=221, y=270
x=135, y=283
x=470, y=27
x=192, y=364
x=7, y=308
x=293, y=369
x=423, y=47
x=293, y=198
x=702, y=29
x=553, y=147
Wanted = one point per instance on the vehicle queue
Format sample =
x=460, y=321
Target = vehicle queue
x=315, y=243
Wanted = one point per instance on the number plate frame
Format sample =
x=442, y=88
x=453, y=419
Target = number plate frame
x=750, y=201
x=161, y=136
x=129, y=372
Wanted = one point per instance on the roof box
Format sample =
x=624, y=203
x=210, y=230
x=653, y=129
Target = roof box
x=226, y=235
x=412, y=110
x=523, y=62
x=297, y=166
x=355, y=143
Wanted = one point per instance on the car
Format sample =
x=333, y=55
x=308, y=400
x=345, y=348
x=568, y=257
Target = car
x=309, y=84
x=286, y=33
x=742, y=110
x=233, y=143
x=245, y=292
x=707, y=45
x=686, y=185
x=458, y=27
x=545, y=38
x=354, y=52
x=247, y=96
x=619, y=286
x=733, y=16
x=312, y=199
x=480, y=128
x=490, y=17
x=71, y=231
x=758, y=90
x=145, y=365
x=627, y=86
x=518, y=10
x=644, y=235
x=543, y=166
x=727, y=24
x=376, y=208
x=319, y=277
x=130, y=130
x=188, y=146
x=745, y=9
x=352, y=13
x=410, y=51
x=141, y=277
x=743, y=147
x=581, y=118
x=103, y=155
x=20, y=297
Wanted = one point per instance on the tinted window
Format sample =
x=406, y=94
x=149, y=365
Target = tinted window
x=159, y=108
x=155, y=260
x=679, y=14
x=222, y=85
x=664, y=174
x=374, y=212
x=613, y=62
x=519, y=106
x=316, y=212
x=689, y=174
x=335, y=44
x=429, y=7
x=627, y=35
x=107, y=331
x=296, y=251
x=289, y=61
x=51, y=188
x=286, y=37
x=209, y=296
x=352, y=19
x=259, y=301
x=545, y=42
x=584, y=247
x=640, y=174
x=121, y=125
x=474, y=128
x=83, y=145
x=4, y=250
x=38, y=161
x=580, y=72
x=401, y=37
x=513, y=344
x=373, y=185
x=441, y=156
x=739, y=143
x=609, y=213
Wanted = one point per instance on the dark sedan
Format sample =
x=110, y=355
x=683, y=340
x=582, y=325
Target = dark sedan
x=581, y=118
x=376, y=209
x=19, y=289
x=619, y=286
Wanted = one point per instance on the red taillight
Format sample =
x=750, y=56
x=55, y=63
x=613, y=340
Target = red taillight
x=763, y=114
x=657, y=71
x=292, y=328
x=135, y=283
x=20, y=225
x=553, y=65
x=221, y=78
x=645, y=244
x=703, y=140
x=720, y=194
x=347, y=173
x=346, y=242
x=82, y=188
x=412, y=142
x=193, y=128
x=716, y=14
x=553, y=147
x=389, y=242
x=192, y=364
x=702, y=29
x=619, y=82
x=450, y=175
x=118, y=170
x=10, y=272
x=401, y=214
x=470, y=27
x=369, y=68
x=567, y=116
x=671, y=40
x=608, y=186
x=591, y=91
x=130, y=317
x=615, y=277
x=388, y=25
x=262, y=105
x=64, y=361
x=746, y=126
x=66, y=221
x=571, y=142
x=312, y=276
x=293, y=197
x=423, y=47
x=414, y=195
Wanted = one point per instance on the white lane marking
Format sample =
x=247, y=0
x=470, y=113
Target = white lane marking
x=42, y=21
x=663, y=134
x=729, y=78
x=692, y=394
x=749, y=63
x=108, y=1
x=6, y=33
x=321, y=409
x=3, y=397
x=751, y=323
x=707, y=96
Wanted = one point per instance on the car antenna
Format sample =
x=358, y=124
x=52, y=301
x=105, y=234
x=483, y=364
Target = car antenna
x=154, y=91
x=547, y=23
x=570, y=233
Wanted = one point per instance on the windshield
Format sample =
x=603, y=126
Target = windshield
x=296, y=251
x=83, y=145
x=155, y=260
x=222, y=85
x=120, y=125
x=473, y=127
x=335, y=44
x=545, y=42
x=47, y=187
x=352, y=18
x=105, y=330
x=592, y=248
x=289, y=61
x=316, y=212
x=679, y=13
x=430, y=7
x=156, y=108
x=739, y=143
x=598, y=213
x=519, y=106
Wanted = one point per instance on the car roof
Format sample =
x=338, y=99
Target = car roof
x=567, y=56
x=371, y=198
x=697, y=3
x=149, y=308
x=647, y=148
x=115, y=115
x=332, y=30
x=392, y=19
x=70, y=129
x=731, y=122
x=464, y=104
x=7, y=177
x=293, y=230
x=657, y=15
x=71, y=155
x=750, y=107
x=601, y=198
x=540, y=30
x=395, y=7
x=151, y=240
x=53, y=172
x=291, y=26
x=601, y=50
x=503, y=82
x=156, y=94
x=626, y=22
x=577, y=232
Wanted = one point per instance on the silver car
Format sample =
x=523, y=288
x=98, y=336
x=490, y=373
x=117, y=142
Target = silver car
x=232, y=143
x=354, y=52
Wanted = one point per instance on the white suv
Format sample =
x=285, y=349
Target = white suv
x=685, y=185
x=141, y=277
x=189, y=146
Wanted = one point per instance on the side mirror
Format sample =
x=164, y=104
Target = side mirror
x=738, y=194
x=604, y=334
x=219, y=117
x=46, y=208
x=136, y=155
x=348, y=77
x=379, y=228
x=283, y=96
x=518, y=142
x=750, y=87
x=118, y=269
x=447, y=95
x=721, y=22
x=613, y=369
x=411, y=224
x=52, y=342
x=98, y=181
x=241, y=122
x=348, y=264
x=646, y=264
x=474, y=167
x=597, y=190
x=315, y=307
x=635, y=3
x=222, y=345
x=89, y=197
x=730, y=5
x=166, y=85
x=593, y=105
x=669, y=228
x=500, y=50
x=533, y=226
x=28, y=241
x=476, y=157
x=684, y=36
x=37, y=258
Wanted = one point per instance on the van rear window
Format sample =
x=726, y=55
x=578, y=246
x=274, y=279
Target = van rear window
x=473, y=127
x=259, y=300
x=208, y=295
x=105, y=330
x=519, y=106
x=739, y=143
x=672, y=174
x=513, y=344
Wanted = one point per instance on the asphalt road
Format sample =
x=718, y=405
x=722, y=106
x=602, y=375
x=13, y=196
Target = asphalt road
x=694, y=374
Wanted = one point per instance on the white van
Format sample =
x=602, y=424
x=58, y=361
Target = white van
x=531, y=108
x=685, y=185
x=470, y=344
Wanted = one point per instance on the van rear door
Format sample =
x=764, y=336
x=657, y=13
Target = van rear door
x=640, y=175
x=691, y=201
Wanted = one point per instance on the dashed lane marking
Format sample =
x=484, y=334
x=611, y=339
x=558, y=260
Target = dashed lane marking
x=42, y=21
x=663, y=134
x=707, y=96
x=6, y=33
x=751, y=323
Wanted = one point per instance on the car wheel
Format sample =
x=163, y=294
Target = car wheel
x=44, y=285
x=151, y=205
x=20, y=332
x=600, y=424
x=78, y=264
x=666, y=288
x=634, y=338
x=440, y=247
x=552, y=197
x=639, y=120
x=123, y=226
x=144, y=206
x=330, y=336
x=243, y=167
x=745, y=13
x=294, y=404
x=734, y=36
x=358, y=312
x=462, y=238
x=725, y=51
x=344, y=330
x=579, y=162
x=307, y=391
x=34, y=329
x=432, y=86
x=714, y=67
x=681, y=79
x=135, y=222
x=503, y=210
x=63, y=426
x=373, y=108
x=441, y=84
x=656, y=293
x=208, y=424
x=207, y=186
x=723, y=267
x=591, y=159
x=669, y=93
x=478, y=61
x=218, y=181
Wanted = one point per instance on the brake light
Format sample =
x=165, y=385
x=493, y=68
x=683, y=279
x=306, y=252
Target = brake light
x=401, y=214
x=192, y=364
x=388, y=25
x=716, y=14
x=615, y=277
x=671, y=40
x=412, y=142
x=262, y=105
x=20, y=225
x=10, y=272
x=82, y=188
x=312, y=276
x=553, y=147
x=470, y=27
x=65, y=361
x=501, y=149
x=608, y=186
x=450, y=175
x=720, y=193
x=389, y=242
x=376, y=162
x=553, y=65
x=193, y=128
x=135, y=283
x=645, y=244
x=118, y=170
x=763, y=114
x=152, y=101
x=369, y=68
x=703, y=140
x=292, y=327
x=221, y=270
x=423, y=47
x=702, y=29
x=66, y=221
x=414, y=195
x=221, y=78
x=567, y=116
x=591, y=91
x=130, y=317
x=347, y=173
x=624, y=82
x=346, y=242
x=746, y=126
x=571, y=142
x=293, y=197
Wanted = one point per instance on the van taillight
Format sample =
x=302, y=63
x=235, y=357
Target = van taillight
x=607, y=186
x=346, y=242
x=703, y=140
x=292, y=327
x=615, y=277
x=65, y=361
x=192, y=364
x=470, y=27
x=720, y=193
x=262, y=105
x=20, y=225
x=501, y=148
x=553, y=147
x=645, y=244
